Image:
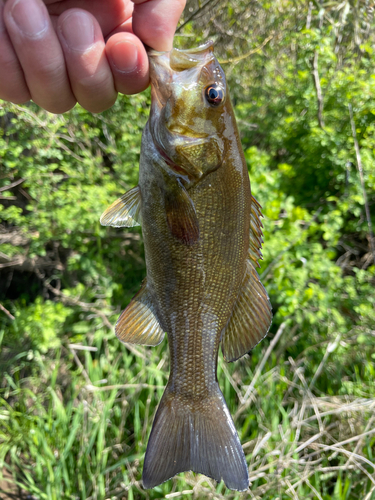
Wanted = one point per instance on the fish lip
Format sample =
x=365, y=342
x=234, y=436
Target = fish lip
x=201, y=48
x=164, y=65
x=160, y=69
x=196, y=50
x=168, y=63
x=155, y=53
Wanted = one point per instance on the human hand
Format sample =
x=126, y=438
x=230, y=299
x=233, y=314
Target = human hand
x=58, y=52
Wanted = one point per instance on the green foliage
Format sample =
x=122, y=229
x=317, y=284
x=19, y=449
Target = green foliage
x=40, y=323
x=74, y=421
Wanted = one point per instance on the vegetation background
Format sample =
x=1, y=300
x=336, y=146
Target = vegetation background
x=76, y=406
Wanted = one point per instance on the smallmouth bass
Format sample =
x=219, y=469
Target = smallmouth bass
x=202, y=237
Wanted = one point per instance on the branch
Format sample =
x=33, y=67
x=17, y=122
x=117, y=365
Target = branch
x=24, y=263
x=253, y=51
x=360, y=169
x=318, y=90
x=12, y=185
x=308, y=19
x=260, y=367
x=72, y=301
x=10, y=316
x=194, y=14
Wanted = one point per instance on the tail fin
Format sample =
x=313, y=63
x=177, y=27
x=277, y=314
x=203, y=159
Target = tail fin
x=200, y=437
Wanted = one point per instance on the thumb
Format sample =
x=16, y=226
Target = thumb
x=155, y=21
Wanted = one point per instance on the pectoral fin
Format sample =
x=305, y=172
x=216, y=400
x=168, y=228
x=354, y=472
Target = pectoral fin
x=251, y=317
x=138, y=323
x=125, y=211
x=180, y=211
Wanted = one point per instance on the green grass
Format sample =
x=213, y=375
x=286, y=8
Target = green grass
x=74, y=425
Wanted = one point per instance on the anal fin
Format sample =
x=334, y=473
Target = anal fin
x=125, y=211
x=138, y=323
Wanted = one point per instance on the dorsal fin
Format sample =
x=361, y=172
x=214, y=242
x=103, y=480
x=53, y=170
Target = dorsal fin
x=138, y=323
x=252, y=313
x=125, y=211
x=256, y=234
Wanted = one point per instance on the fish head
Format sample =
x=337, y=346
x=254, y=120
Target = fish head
x=190, y=110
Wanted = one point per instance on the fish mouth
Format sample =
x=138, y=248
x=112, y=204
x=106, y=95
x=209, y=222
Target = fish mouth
x=176, y=60
x=196, y=51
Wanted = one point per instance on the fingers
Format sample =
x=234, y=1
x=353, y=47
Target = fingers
x=108, y=13
x=129, y=63
x=88, y=68
x=155, y=21
x=39, y=53
x=12, y=82
x=57, y=65
x=55, y=70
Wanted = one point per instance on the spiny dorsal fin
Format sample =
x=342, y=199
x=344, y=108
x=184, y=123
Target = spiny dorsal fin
x=138, y=323
x=180, y=211
x=256, y=234
x=125, y=211
x=252, y=314
x=251, y=317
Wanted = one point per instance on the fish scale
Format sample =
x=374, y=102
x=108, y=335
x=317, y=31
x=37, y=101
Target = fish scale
x=202, y=238
x=203, y=348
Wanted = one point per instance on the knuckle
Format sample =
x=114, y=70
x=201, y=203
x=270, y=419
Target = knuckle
x=52, y=71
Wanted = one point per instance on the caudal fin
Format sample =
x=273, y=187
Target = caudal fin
x=199, y=437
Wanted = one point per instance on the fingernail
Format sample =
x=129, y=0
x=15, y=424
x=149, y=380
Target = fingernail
x=30, y=17
x=77, y=29
x=124, y=56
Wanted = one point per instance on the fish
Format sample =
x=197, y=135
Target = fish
x=202, y=234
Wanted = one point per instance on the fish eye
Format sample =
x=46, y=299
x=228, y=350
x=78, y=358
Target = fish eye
x=214, y=94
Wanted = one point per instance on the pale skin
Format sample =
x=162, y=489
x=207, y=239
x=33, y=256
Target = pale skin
x=60, y=52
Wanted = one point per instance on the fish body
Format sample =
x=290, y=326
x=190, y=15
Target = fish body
x=202, y=237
